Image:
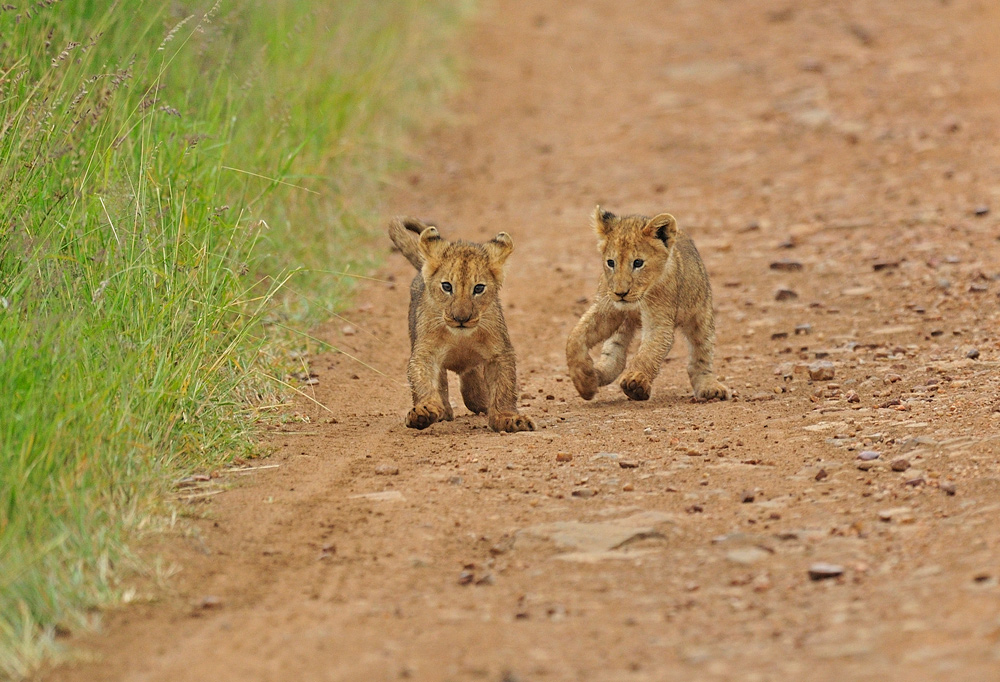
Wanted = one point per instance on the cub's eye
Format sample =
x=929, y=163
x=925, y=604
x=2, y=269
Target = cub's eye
x=611, y=264
x=479, y=288
x=446, y=286
x=637, y=263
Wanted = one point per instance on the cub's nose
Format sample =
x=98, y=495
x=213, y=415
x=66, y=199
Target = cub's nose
x=462, y=319
x=622, y=294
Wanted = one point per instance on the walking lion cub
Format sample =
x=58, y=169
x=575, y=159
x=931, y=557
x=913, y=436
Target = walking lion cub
x=456, y=324
x=653, y=280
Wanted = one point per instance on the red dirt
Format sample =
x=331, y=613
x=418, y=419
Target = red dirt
x=855, y=138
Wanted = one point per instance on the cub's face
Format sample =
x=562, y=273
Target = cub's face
x=635, y=251
x=462, y=279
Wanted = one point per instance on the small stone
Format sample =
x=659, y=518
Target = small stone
x=583, y=493
x=948, y=487
x=466, y=577
x=821, y=371
x=852, y=396
x=786, y=265
x=891, y=378
x=564, y=457
x=785, y=295
x=822, y=571
x=901, y=514
x=803, y=329
x=747, y=496
x=348, y=330
x=821, y=475
x=628, y=487
x=210, y=602
x=900, y=464
x=868, y=455
x=982, y=211
x=694, y=509
x=387, y=470
x=628, y=464
x=744, y=556
x=865, y=466
x=973, y=354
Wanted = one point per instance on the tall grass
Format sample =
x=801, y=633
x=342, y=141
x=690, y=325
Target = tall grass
x=164, y=168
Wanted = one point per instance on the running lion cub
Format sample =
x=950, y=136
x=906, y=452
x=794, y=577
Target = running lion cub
x=653, y=280
x=456, y=324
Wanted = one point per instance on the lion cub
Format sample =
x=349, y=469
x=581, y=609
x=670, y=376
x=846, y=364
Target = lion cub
x=456, y=324
x=653, y=280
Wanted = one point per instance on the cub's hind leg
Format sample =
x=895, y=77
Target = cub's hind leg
x=614, y=353
x=475, y=393
x=700, y=335
x=449, y=413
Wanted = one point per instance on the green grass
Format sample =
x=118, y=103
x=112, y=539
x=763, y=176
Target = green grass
x=164, y=169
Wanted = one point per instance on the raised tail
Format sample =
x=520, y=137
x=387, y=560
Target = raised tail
x=404, y=232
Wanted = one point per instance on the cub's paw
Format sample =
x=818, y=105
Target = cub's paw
x=448, y=415
x=711, y=389
x=585, y=381
x=511, y=422
x=422, y=416
x=636, y=386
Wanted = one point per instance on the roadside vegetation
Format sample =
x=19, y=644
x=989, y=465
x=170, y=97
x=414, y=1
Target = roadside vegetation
x=181, y=185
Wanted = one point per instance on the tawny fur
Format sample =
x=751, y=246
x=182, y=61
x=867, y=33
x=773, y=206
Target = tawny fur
x=461, y=330
x=655, y=281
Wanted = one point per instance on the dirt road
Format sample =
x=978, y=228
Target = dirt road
x=843, y=152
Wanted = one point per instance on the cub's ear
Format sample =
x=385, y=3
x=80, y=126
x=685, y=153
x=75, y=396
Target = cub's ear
x=602, y=222
x=431, y=245
x=498, y=249
x=662, y=227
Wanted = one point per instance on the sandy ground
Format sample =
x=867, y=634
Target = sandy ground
x=846, y=152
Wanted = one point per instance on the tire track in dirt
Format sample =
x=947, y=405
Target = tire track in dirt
x=855, y=141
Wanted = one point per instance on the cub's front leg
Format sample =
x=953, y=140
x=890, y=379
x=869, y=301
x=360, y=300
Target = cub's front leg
x=426, y=376
x=598, y=324
x=657, y=340
x=500, y=376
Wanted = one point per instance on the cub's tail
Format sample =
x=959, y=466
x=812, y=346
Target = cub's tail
x=404, y=232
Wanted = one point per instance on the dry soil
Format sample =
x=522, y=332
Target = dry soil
x=844, y=153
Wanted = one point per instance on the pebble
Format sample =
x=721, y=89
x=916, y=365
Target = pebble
x=982, y=211
x=822, y=571
x=973, y=354
x=803, y=328
x=744, y=556
x=900, y=464
x=891, y=378
x=821, y=371
x=786, y=265
x=852, y=397
x=628, y=464
x=821, y=474
x=901, y=514
x=210, y=602
x=564, y=457
x=387, y=470
x=865, y=466
x=785, y=295
x=747, y=496
x=948, y=487
x=868, y=455
x=583, y=493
